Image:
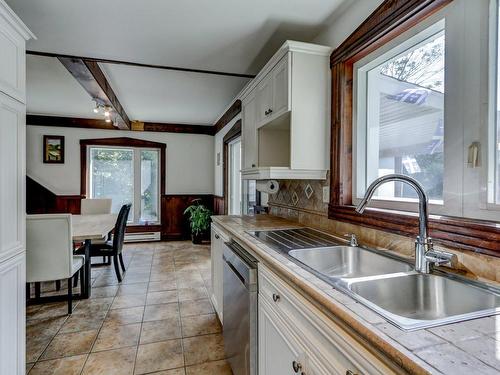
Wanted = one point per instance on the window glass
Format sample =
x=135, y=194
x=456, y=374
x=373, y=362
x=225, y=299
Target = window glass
x=112, y=176
x=235, y=178
x=149, y=186
x=404, y=117
x=496, y=125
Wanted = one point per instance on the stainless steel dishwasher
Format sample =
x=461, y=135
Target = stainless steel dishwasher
x=240, y=309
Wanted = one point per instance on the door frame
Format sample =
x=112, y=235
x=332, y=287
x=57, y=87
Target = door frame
x=230, y=136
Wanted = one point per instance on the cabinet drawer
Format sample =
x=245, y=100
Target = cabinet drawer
x=330, y=348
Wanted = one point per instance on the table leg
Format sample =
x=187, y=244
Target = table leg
x=87, y=283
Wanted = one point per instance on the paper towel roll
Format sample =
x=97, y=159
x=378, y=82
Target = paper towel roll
x=268, y=186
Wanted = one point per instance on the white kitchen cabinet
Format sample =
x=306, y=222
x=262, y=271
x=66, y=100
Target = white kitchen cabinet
x=278, y=351
x=289, y=99
x=12, y=315
x=217, y=249
x=13, y=34
x=249, y=132
x=304, y=334
x=12, y=177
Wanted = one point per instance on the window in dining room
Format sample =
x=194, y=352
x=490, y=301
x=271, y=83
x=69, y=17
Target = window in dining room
x=127, y=175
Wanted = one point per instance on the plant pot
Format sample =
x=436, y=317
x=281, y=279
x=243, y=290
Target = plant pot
x=197, y=238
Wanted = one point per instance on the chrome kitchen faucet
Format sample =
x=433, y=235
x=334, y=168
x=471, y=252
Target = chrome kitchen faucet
x=425, y=255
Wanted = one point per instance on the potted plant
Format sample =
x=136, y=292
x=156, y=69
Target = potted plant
x=199, y=219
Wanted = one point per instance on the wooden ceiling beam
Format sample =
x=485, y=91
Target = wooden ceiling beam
x=93, y=80
x=142, y=65
x=231, y=113
x=73, y=122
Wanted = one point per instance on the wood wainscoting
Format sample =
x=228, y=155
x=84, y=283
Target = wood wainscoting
x=219, y=205
x=174, y=224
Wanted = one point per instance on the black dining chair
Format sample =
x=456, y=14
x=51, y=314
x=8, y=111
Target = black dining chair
x=113, y=248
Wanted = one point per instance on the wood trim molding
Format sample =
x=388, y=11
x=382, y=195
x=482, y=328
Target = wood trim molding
x=90, y=76
x=390, y=19
x=231, y=113
x=231, y=135
x=123, y=142
x=75, y=122
x=142, y=65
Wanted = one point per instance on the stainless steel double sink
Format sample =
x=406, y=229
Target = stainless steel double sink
x=390, y=286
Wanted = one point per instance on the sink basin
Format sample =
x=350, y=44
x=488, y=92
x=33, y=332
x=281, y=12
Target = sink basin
x=345, y=262
x=413, y=301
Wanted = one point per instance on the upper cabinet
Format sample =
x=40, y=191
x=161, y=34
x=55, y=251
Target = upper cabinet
x=285, y=115
x=13, y=36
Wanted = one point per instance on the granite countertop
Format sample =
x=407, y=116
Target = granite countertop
x=470, y=347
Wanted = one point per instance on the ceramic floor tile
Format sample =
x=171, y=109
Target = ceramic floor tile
x=196, y=307
x=70, y=344
x=200, y=325
x=104, y=291
x=122, y=302
x=115, y=337
x=158, y=286
x=155, y=298
x=202, y=349
x=159, y=356
x=131, y=289
x=210, y=368
x=129, y=315
x=160, y=330
x=44, y=327
x=161, y=311
x=83, y=322
x=111, y=362
x=62, y=366
x=186, y=294
x=35, y=346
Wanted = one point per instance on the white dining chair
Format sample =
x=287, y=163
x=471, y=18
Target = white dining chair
x=49, y=251
x=96, y=206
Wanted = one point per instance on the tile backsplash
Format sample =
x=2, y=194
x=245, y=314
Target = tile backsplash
x=300, y=195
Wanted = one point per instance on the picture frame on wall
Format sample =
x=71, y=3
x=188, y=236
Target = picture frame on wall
x=53, y=149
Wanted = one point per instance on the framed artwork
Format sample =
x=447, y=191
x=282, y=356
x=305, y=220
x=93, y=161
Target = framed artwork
x=53, y=149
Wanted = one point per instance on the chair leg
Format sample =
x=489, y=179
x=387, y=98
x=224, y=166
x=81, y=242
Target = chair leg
x=117, y=269
x=82, y=280
x=109, y=261
x=75, y=280
x=70, y=296
x=121, y=262
x=58, y=285
x=37, y=290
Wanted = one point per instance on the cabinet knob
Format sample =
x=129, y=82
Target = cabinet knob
x=276, y=297
x=253, y=165
x=296, y=366
x=270, y=111
x=217, y=236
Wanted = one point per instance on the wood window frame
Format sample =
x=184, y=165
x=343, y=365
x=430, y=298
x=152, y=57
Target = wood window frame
x=230, y=136
x=390, y=19
x=123, y=142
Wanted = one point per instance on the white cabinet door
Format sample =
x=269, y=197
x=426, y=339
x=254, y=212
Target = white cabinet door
x=249, y=132
x=278, y=354
x=264, y=94
x=12, y=315
x=12, y=177
x=281, y=92
x=12, y=62
x=217, y=248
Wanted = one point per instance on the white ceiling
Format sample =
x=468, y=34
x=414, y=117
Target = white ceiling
x=157, y=95
x=52, y=90
x=236, y=36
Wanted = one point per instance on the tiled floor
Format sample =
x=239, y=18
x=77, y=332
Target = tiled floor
x=159, y=320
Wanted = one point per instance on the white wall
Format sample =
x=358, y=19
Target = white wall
x=345, y=21
x=190, y=167
x=218, y=145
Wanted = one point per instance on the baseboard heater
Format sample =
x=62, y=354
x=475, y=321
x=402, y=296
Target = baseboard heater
x=142, y=237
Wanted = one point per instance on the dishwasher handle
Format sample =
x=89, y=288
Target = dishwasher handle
x=241, y=264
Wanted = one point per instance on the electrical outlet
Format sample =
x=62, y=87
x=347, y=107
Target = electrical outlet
x=326, y=194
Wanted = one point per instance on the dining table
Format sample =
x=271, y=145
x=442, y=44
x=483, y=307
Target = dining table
x=88, y=228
